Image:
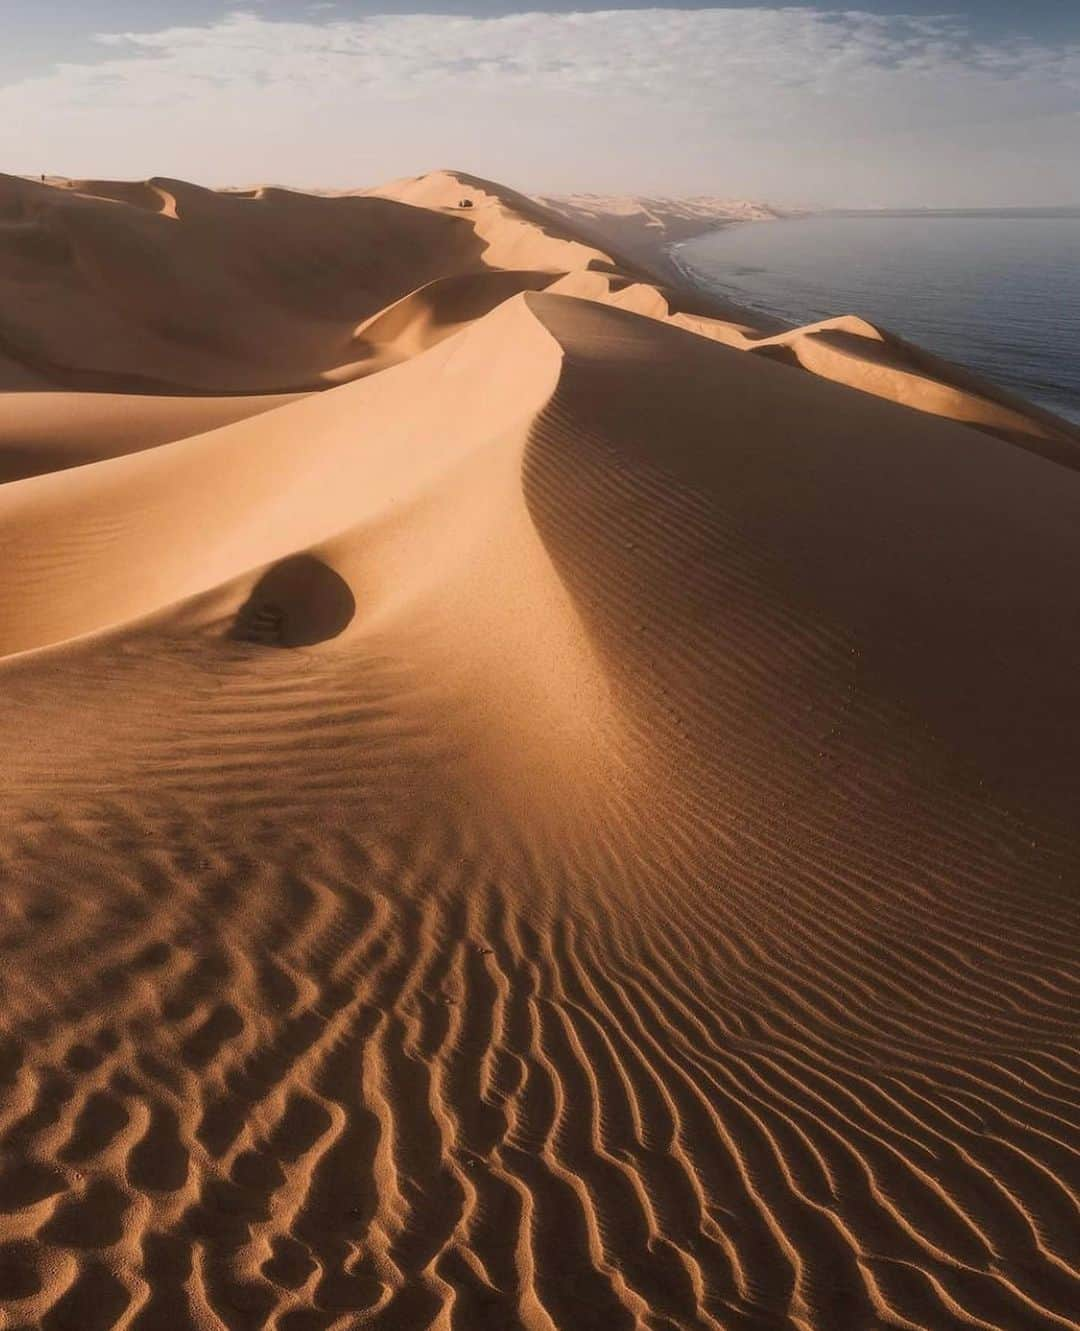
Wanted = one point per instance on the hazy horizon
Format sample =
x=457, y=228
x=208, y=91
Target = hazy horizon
x=889, y=105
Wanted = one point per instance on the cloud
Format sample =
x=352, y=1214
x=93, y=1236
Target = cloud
x=618, y=82
x=660, y=52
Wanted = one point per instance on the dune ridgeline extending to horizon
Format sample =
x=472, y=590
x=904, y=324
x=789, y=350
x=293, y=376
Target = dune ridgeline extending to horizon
x=529, y=802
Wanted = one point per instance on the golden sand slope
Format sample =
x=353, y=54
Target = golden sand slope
x=852, y=351
x=49, y=431
x=572, y=830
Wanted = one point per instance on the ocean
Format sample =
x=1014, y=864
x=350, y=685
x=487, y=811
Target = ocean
x=998, y=292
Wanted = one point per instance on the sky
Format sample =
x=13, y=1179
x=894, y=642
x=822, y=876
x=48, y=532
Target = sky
x=875, y=103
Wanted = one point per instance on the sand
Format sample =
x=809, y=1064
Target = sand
x=527, y=804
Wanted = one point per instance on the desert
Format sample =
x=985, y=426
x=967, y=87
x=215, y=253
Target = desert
x=531, y=799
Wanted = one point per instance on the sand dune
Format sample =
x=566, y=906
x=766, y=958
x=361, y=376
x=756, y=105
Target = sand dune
x=49, y=431
x=571, y=826
x=852, y=351
x=210, y=292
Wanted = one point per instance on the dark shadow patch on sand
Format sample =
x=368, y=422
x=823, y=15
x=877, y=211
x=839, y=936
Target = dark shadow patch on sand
x=297, y=603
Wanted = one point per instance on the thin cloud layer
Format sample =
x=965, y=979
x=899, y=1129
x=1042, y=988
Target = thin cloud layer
x=804, y=104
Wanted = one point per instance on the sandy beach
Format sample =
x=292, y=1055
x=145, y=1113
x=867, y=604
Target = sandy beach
x=530, y=801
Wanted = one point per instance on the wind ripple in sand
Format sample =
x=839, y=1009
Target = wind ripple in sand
x=330, y=1079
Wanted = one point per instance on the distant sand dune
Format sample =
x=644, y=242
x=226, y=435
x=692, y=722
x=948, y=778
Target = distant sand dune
x=573, y=827
x=851, y=351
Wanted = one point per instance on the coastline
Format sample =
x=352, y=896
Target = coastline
x=994, y=313
x=690, y=276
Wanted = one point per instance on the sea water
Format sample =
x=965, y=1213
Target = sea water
x=998, y=292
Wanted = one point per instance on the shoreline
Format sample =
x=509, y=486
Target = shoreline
x=694, y=278
x=976, y=343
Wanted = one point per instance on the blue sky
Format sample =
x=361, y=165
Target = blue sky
x=878, y=102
